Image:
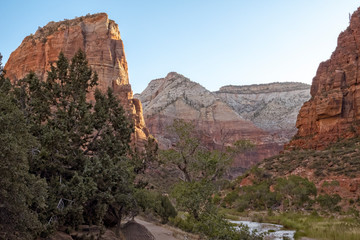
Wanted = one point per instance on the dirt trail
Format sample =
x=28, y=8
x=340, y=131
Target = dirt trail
x=159, y=232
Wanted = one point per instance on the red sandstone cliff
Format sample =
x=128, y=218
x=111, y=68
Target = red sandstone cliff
x=333, y=112
x=100, y=38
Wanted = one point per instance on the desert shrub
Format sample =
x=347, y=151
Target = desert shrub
x=257, y=196
x=156, y=203
x=241, y=204
x=230, y=197
x=330, y=184
x=165, y=209
x=216, y=199
x=186, y=223
x=295, y=190
x=214, y=227
x=329, y=202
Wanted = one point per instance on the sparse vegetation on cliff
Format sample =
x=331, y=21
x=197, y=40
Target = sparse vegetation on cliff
x=341, y=158
x=307, y=183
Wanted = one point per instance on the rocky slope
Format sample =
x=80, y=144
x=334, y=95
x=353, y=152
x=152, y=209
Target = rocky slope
x=334, y=170
x=333, y=112
x=100, y=38
x=326, y=148
x=217, y=114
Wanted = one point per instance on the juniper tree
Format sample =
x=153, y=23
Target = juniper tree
x=22, y=195
x=84, y=147
x=193, y=159
x=201, y=170
x=5, y=85
x=200, y=167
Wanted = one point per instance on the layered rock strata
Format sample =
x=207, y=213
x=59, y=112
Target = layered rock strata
x=333, y=112
x=99, y=37
x=223, y=117
x=272, y=107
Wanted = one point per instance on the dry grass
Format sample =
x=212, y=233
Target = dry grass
x=314, y=226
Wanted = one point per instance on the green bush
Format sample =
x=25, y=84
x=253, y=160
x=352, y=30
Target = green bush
x=231, y=197
x=257, y=196
x=241, y=204
x=214, y=227
x=156, y=203
x=216, y=199
x=329, y=201
x=165, y=209
x=296, y=191
x=186, y=224
x=332, y=183
x=193, y=197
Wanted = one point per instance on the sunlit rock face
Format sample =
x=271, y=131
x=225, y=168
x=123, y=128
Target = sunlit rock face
x=224, y=116
x=273, y=107
x=99, y=37
x=333, y=112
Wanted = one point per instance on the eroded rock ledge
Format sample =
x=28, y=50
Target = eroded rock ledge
x=333, y=112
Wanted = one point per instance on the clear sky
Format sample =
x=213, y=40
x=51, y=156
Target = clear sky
x=212, y=42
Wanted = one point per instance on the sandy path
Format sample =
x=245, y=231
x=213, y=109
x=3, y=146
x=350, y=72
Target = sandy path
x=159, y=232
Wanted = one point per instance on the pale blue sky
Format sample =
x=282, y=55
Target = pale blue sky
x=213, y=42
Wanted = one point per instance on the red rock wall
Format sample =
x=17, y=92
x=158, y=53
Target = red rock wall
x=215, y=134
x=100, y=38
x=333, y=112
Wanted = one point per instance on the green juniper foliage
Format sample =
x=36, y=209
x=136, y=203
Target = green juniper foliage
x=154, y=202
x=22, y=194
x=296, y=191
x=83, y=150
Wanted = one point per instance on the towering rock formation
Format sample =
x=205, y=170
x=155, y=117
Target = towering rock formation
x=333, y=112
x=100, y=38
x=223, y=116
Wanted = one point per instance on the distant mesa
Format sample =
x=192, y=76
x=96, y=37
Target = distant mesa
x=100, y=38
x=265, y=114
x=273, y=107
x=265, y=88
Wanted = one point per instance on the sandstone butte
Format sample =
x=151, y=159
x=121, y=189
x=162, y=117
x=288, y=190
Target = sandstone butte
x=99, y=37
x=333, y=112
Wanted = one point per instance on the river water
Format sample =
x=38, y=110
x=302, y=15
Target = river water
x=275, y=232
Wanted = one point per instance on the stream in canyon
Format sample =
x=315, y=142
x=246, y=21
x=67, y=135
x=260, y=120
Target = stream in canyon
x=273, y=231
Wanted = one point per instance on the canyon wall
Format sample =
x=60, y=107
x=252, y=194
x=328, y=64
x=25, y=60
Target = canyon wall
x=99, y=38
x=333, y=112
